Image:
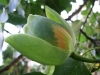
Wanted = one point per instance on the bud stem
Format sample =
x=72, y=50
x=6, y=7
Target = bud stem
x=50, y=70
x=83, y=59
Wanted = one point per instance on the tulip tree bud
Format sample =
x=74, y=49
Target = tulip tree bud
x=45, y=41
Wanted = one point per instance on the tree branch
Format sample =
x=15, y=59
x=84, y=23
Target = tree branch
x=7, y=31
x=87, y=16
x=11, y=64
x=77, y=11
x=92, y=40
x=96, y=42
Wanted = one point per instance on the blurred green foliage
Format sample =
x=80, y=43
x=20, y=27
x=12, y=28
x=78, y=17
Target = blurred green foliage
x=21, y=10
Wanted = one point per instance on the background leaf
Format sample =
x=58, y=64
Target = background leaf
x=60, y=5
x=16, y=19
x=66, y=4
x=71, y=67
x=76, y=25
x=4, y=2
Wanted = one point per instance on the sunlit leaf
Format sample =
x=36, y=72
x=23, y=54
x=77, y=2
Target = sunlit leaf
x=76, y=25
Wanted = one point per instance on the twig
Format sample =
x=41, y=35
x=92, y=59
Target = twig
x=92, y=40
x=95, y=41
x=77, y=11
x=85, y=22
x=87, y=16
x=7, y=31
x=11, y=64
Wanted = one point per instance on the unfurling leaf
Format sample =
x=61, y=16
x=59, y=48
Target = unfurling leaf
x=53, y=15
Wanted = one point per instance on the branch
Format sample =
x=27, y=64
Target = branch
x=7, y=31
x=92, y=40
x=11, y=64
x=87, y=16
x=95, y=41
x=77, y=11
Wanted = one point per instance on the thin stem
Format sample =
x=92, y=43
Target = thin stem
x=88, y=16
x=50, y=70
x=84, y=59
x=7, y=31
x=77, y=11
x=92, y=40
x=90, y=50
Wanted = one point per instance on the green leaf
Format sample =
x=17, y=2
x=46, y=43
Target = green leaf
x=92, y=19
x=86, y=11
x=76, y=25
x=59, y=5
x=8, y=53
x=4, y=2
x=1, y=7
x=54, y=5
x=16, y=19
x=82, y=38
x=66, y=4
x=34, y=73
x=37, y=49
x=33, y=9
x=71, y=67
x=57, y=18
x=89, y=28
